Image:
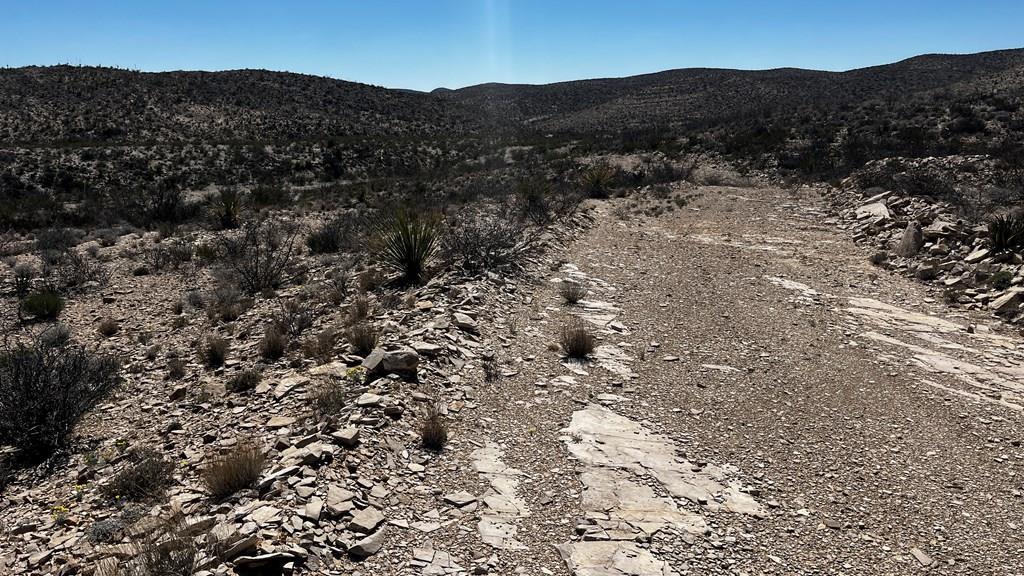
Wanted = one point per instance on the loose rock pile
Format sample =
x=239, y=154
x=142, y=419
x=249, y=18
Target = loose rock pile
x=926, y=239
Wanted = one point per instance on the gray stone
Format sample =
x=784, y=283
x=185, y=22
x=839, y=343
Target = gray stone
x=368, y=546
x=366, y=520
x=912, y=241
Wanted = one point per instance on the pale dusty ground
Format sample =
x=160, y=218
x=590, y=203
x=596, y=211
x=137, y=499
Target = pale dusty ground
x=856, y=426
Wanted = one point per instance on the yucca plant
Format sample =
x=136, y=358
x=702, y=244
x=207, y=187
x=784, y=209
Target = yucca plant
x=597, y=180
x=407, y=243
x=1006, y=232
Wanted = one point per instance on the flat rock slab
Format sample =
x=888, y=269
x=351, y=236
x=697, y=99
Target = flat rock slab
x=612, y=559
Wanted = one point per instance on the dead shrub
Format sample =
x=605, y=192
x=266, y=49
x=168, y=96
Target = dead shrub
x=263, y=255
x=213, y=351
x=577, y=340
x=362, y=338
x=274, y=343
x=359, y=309
x=236, y=469
x=175, y=369
x=244, y=381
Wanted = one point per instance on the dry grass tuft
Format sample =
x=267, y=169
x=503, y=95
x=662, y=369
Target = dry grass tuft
x=213, y=351
x=362, y=338
x=572, y=292
x=108, y=327
x=237, y=469
x=434, y=430
x=577, y=341
x=274, y=343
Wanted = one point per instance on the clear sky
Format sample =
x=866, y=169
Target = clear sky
x=424, y=44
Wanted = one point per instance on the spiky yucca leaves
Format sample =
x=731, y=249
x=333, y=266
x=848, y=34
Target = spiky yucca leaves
x=1006, y=232
x=597, y=180
x=407, y=243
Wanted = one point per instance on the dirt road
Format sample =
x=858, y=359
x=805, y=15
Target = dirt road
x=763, y=401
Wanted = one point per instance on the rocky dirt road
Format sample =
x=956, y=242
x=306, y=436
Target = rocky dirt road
x=763, y=401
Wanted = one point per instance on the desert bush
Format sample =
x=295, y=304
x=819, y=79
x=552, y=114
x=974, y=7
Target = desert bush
x=542, y=203
x=108, y=327
x=144, y=476
x=263, y=255
x=168, y=549
x=476, y=241
x=1006, y=232
x=24, y=274
x=322, y=345
x=576, y=339
x=359, y=309
x=236, y=469
x=170, y=254
x=433, y=429
x=1000, y=280
x=213, y=351
x=572, y=292
x=244, y=381
x=45, y=387
x=44, y=304
x=294, y=316
x=55, y=239
x=331, y=396
x=228, y=302
x=175, y=369
x=407, y=243
x=596, y=181
x=227, y=206
x=331, y=237
x=75, y=270
x=274, y=343
x=362, y=338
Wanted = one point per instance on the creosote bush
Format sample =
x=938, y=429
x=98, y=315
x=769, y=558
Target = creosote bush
x=572, y=292
x=577, y=340
x=407, y=243
x=263, y=254
x=236, y=469
x=476, y=241
x=331, y=237
x=144, y=476
x=45, y=387
x=213, y=351
x=433, y=430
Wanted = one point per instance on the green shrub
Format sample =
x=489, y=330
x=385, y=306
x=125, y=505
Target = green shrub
x=45, y=387
x=43, y=305
x=1000, y=280
x=407, y=243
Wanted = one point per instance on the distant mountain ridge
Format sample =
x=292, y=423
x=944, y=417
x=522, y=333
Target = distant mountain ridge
x=65, y=104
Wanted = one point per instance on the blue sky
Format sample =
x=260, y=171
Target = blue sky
x=424, y=44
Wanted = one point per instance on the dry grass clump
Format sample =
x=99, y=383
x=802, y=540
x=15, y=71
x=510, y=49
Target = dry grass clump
x=213, y=351
x=322, y=345
x=362, y=338
x=433, y=430
x=167, y=550
x=329, y=397
x=572, y=292
x=145, y=476
x=359, y=310
x=244, y=381
x=237, y=469
x=274, y=343
x=577, y=341
x=175, y=369
x=108, y=327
